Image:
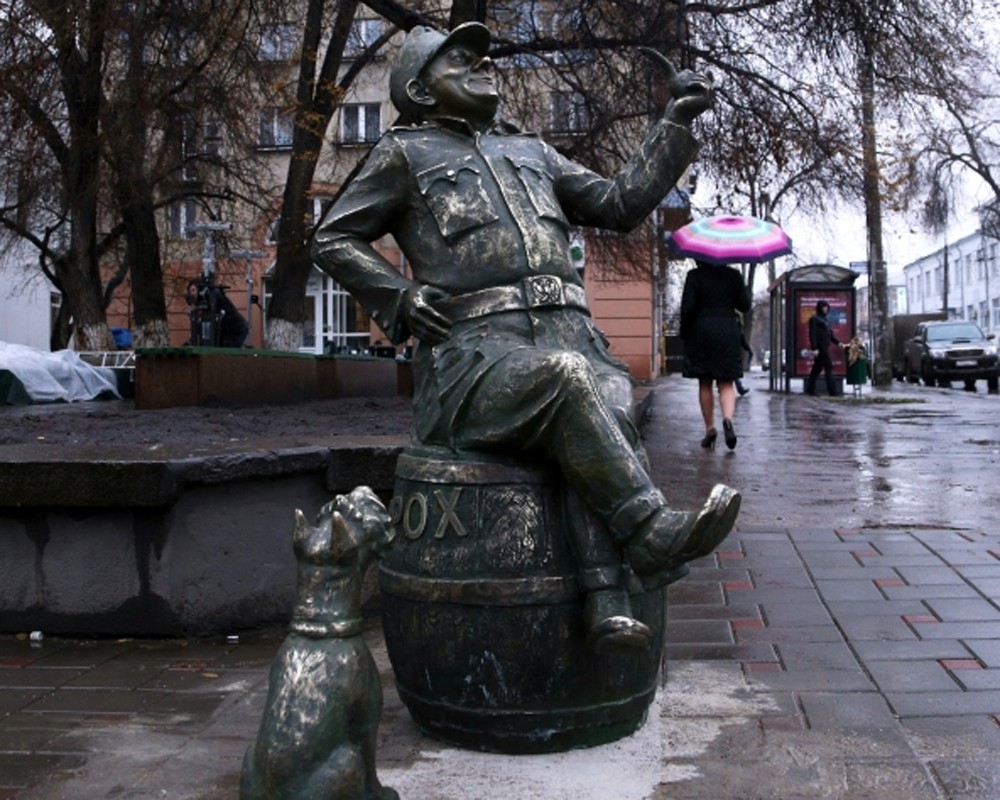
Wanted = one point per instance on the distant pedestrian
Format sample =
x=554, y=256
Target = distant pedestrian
x=712, y=296
x=211, y=299
x=821, y=336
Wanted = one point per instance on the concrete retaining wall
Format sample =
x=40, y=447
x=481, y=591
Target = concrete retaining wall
x=176, y=546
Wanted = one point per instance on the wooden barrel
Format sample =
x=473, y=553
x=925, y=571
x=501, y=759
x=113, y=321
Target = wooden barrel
x=483, y=614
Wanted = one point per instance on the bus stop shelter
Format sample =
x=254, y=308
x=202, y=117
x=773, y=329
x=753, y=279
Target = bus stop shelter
x=794, y=296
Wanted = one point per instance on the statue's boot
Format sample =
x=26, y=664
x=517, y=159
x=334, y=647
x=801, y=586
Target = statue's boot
x=668, y=539
x=611, y=628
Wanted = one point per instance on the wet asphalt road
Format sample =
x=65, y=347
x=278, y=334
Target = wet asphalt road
x=905, y=456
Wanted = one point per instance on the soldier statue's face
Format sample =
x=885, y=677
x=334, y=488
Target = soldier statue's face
x=459, y=84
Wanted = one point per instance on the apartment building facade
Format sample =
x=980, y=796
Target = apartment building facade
x=242, y=256
x=962, y=278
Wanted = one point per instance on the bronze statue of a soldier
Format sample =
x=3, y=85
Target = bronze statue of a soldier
x=508, y=358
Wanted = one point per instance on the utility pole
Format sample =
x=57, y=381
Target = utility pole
x=987, y=318
x=944, y=293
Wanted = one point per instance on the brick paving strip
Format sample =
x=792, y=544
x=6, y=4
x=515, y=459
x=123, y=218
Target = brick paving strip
x=880, y=650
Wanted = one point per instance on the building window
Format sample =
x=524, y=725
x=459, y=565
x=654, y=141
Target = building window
x=569, y=113
x=211, y=139
x=568, y=25
x=363, y=34
x=175, y=46
x=320, y=205
x=186, y=127
x=276, y=128
x=180, y=215
x=198, y=143
x=360, y=122
x=278, y=42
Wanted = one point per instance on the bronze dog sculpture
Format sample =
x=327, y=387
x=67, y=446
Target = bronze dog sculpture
x=317, y=737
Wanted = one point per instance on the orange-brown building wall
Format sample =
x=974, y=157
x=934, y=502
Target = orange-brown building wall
x=623, y=309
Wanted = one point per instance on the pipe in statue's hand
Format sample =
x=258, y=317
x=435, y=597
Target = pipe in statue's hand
x=424, y=321
x=691, y=92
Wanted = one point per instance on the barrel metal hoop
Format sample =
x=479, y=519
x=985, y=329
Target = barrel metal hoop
x=550, y=714
x=492, y=591
x=444, y=470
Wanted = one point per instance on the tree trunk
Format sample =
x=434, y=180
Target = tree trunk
x=83, y=300
x=316, y=100
x=135, y=202
x=284, y=335
x=81, y=78
x=61, y=327
x=466, y=11
x=879, y=292
x=154, y=333
x=293, y=263
x=142, y=251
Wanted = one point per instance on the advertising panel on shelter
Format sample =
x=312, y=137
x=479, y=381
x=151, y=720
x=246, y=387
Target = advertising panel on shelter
x=841, y=319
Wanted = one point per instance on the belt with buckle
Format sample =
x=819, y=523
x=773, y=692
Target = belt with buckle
x=536, y=291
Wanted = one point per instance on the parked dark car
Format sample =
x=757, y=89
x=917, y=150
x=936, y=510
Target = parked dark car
x=955, y=350
x=765, y=362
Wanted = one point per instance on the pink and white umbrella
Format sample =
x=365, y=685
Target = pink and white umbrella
x=729, y=239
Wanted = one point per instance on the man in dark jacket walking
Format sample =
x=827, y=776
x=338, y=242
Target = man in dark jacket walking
x=821, y=336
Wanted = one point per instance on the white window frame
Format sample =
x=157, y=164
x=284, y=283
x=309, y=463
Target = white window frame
x=278, y=42
x=211, y=138
x=326, y=329
x=180, y=215
x=363, y=34
x=569, y=113
x=275, y=128
x=360, y=123
x=320, y=205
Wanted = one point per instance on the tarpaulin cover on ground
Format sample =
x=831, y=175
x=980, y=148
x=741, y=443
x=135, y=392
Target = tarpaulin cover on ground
x=28, y=375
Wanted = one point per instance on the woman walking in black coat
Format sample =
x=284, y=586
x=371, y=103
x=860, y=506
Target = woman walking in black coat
x=710, y=330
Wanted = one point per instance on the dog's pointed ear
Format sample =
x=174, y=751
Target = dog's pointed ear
x=302, y=527
x=343, y=537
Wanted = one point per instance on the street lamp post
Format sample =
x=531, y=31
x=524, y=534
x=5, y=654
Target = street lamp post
x=248, y=256
x=208, y=254
x=205, y=314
